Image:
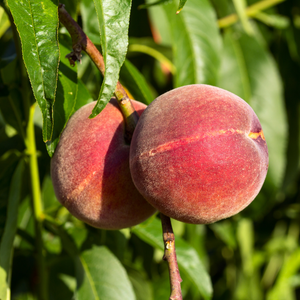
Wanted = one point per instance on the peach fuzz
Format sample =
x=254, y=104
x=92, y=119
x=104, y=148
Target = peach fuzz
x=198, y=154
x=90, y=170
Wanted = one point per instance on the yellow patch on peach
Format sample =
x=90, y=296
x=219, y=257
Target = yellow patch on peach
x=255, y=135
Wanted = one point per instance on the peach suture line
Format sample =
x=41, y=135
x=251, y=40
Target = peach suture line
x=183, y=141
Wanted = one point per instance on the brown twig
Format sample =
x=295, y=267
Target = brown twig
x=170, y=257
x=81, y=42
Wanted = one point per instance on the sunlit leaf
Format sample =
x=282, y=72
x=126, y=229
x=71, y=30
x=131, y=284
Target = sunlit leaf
x=6, y=245
x=89, y=19
x=248, y=286
x=196, y=237
x=240, y=7
x=273, y=20
x=101, y=276
x=245, y=237
x=4, y=22
x=180, y=6
x=160, y=24
x=283, y=288
x=134, y=81
x=113, y=18
x=154, y=53
x=37, y=23
x=196, y=42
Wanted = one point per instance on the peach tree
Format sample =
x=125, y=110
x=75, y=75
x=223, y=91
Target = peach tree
x=56, y=58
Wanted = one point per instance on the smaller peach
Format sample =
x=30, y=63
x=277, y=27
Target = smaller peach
x=90, y=170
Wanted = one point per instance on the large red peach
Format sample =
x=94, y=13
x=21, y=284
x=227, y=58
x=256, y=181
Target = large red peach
x=90, y=170
x=198, y=154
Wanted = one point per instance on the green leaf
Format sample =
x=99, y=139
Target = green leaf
x=164, y=49
x=274, y=20
x=71, y=7
x=12, y=110
x=180, y=6
x=89, y=19
x=66, y=239
x=245, y=237
x=160, y=24
x=51, y=242
x=159, y=2
x=37, y=23
x=250, y=72
x=6, y=246
x=8, y=163
x=25, y=296
x=101, y=276
x=187, y=257
x=83, y=96
x=151, y=51
x=4, y=21
x=65, y=96
x=159, y=286
x=224, y=230
x=77, y=232
x=113, y=18
x=240, y=7
x=62, y=282
x=248, y=286
x=283, y=288
x=142, y=287
x=135, y=82
x=195, y=235
x=50, y=202
x=196, y=42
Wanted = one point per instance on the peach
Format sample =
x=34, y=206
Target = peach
x=198, y=154
x=90, y=170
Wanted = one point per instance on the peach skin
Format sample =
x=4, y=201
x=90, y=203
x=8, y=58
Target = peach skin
x=90, y=170
x=199, y=154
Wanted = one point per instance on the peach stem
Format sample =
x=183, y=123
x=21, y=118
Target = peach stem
x=170, y=257
x=81, y=42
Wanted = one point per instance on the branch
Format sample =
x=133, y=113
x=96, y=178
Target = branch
x=81, y=42
x=170, y=257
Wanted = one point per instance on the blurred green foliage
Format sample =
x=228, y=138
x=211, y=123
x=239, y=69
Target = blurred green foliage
x=249, y=48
